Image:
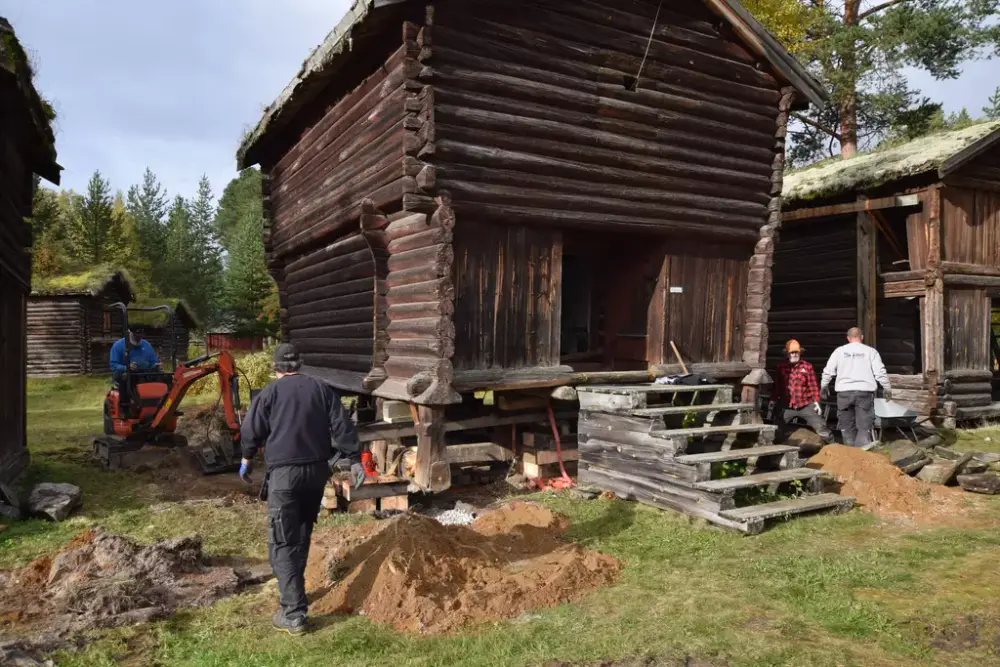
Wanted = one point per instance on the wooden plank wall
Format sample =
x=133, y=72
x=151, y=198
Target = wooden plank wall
x=971, y=226
x=507, y=296
x=814, y=294
x=705, y=319
x=534, y=124
x=57, y=335
x=967, y=329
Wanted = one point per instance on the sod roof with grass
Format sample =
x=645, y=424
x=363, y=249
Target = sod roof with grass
x=90, y=283
x=158, y=318
x=942, y=152
x=17, y=78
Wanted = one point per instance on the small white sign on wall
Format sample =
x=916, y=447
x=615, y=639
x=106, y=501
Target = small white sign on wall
x=676, y=289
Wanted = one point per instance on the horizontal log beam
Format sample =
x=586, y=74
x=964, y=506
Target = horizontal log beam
x=898, y=201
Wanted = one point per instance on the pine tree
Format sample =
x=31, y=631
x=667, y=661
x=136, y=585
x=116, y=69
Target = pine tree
x=992, y=109
x=48, y=251
x=147, y=205
x=241, y=200
x=247, y=282
x=94, y=232
x=129, y=253
x=860, y=49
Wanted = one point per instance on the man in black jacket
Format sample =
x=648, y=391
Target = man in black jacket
x=302, y=425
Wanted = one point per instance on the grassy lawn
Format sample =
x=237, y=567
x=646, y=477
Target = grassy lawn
x=817, y=591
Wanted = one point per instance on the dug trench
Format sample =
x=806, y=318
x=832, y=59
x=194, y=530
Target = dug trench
x=102, y=580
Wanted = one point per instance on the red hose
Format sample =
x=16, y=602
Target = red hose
x=565, y=481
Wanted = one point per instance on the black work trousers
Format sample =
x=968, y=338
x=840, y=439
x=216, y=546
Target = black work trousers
x=295, y=493
x=784, y=414
x=856, y=417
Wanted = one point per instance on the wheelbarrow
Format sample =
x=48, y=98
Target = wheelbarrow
x=895, y=415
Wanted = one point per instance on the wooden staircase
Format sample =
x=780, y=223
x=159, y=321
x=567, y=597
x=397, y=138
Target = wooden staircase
x=695, y=450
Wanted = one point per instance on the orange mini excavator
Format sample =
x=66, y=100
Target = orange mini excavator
x=143, y=409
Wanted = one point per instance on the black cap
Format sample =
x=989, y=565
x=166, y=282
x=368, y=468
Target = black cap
x=286, y=352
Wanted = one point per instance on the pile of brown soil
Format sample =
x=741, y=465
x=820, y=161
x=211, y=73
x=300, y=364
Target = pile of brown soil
x=420, y=576
x=104, y=580
x=887, y=491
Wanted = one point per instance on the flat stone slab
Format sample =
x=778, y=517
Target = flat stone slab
x=903, y=454
x=988, y=483
x=942, y=471
x=54, y=501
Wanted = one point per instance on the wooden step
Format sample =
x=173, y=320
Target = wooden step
x=736, y=454
x=716, y=430
x=760, y=479
x=754, y=516
x=686, y=409
x=651, y=388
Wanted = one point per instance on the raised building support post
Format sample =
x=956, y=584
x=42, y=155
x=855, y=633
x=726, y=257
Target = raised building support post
x=433, y=472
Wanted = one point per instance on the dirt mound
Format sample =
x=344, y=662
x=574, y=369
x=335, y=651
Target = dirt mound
x=420, y=576
x=887, y=491
x=204, y=425
x=104, y=580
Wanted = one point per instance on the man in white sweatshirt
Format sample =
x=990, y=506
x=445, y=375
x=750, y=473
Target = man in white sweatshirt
x=859, y=371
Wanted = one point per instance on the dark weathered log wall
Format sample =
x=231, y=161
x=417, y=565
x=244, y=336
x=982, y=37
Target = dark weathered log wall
x=507, y=296
x=327, y=272
x=15, y=276
x=13, y=352
x=103, y=328
x=57, y=336
x=814, y=295
x=534, y=124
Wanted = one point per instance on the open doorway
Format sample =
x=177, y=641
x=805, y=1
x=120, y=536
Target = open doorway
x=609, y=282
x=995, y=346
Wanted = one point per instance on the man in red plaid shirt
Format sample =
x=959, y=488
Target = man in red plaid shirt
x=796, y=393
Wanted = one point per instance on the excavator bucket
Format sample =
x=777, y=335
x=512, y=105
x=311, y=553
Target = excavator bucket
x=214, y=445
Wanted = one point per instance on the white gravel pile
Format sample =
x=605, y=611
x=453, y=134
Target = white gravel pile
x=453, y=517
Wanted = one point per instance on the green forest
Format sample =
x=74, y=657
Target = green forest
x=208, y=253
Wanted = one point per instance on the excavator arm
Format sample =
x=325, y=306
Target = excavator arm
x=189, y=372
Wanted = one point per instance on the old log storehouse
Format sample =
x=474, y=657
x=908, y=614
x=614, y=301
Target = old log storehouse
x=484, y=195
x=28, y=150
x=904, y=243
x=70, y=328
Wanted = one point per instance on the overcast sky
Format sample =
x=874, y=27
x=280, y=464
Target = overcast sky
x=172, y=85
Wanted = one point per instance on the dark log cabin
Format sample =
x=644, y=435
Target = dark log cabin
x=493, y=195
x=904, y=243
x=70, y=329
x=27, y=150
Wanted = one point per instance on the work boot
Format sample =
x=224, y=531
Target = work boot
x=294, y=627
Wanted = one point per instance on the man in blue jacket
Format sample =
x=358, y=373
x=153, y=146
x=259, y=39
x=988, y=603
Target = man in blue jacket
x=138, y=355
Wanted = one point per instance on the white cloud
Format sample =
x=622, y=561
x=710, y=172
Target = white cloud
x=168, y=85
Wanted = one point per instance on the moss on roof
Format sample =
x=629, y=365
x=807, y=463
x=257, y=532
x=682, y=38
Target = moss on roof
x=85, y=283
x=14, y=63
x=869, y=170
x=158, y=318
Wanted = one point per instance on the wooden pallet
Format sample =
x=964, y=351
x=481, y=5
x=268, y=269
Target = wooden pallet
x=669, y=447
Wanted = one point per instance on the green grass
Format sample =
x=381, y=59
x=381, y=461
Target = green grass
x=817, y=591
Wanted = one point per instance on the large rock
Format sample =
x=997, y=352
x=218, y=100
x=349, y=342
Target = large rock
x=947, y=453
x=942, y=471
x=988, y=483
x=987, y=457
x=54, y=501
x=903, y=453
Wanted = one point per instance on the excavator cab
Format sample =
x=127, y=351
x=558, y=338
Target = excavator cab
x=136, y=398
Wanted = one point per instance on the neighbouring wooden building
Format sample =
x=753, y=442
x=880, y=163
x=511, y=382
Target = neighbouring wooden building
x=491, y=195
x=27, y=150
x=904, y=243
x=227, y=337
x=70, y=329
x=169, y=334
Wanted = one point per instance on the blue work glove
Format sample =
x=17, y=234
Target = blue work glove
x=246, y=468
x=357, y=475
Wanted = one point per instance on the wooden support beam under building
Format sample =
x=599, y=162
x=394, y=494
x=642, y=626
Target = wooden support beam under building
x=899, y=201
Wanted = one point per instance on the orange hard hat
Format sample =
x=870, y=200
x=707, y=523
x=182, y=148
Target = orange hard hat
x=793, y=346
